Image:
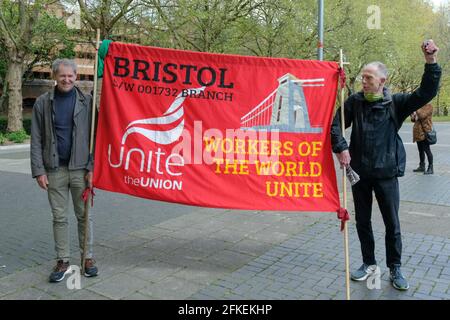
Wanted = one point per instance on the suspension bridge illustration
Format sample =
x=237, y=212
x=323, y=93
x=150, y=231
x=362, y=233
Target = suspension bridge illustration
x=285, y=109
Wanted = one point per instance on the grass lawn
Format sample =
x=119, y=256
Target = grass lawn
x=441, y=119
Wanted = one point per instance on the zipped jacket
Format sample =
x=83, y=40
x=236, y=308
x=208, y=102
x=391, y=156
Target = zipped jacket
x=44, y=144
x=376, y=148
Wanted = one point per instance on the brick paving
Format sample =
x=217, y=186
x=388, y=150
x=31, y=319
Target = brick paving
x=310, y=265
x=165, y=251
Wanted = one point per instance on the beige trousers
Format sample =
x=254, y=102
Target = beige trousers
x=60, y=182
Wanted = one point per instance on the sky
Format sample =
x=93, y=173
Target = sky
x=437, y=2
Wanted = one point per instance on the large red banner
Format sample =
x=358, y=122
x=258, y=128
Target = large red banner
x=217, y=130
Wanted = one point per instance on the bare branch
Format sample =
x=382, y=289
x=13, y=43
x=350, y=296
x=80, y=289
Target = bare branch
x=94, y=24
x=123, y=10
x=5, y=33
x=157, y=5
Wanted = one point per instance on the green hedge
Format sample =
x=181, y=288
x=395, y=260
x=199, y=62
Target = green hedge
x=4, y=125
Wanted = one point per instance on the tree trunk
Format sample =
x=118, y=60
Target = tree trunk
x=14, y=78
x=4, y=97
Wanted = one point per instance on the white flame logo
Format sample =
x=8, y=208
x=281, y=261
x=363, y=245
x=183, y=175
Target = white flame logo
x=174, y=113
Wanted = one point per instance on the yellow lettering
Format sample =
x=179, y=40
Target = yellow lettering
x=240, y=146
x=274, y=192
x=315, y=169
x=288, y=151
x=316, y=146
x=230, y=164
x=304, y=149
x=211, y=144
x=263, y=168
x=317, y=190
x=252, y=147
x=286, y=187
x=291, y=168
x=278, y=168
x=218, y=163
x=264, y=147
x=243, y=167
x=275, y=148
x=227, y=145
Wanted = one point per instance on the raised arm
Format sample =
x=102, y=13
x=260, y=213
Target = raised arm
x=408, y=103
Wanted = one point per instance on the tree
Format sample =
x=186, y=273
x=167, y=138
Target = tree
x=404, y=24
x=28, y=33
x=16, y=21
x=3, y=82
x=200, y=25
x=286, y=28
x=105, y=14
x=441, y=26
x=270, y=30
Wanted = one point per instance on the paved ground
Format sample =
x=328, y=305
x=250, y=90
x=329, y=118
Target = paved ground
x=152, y=250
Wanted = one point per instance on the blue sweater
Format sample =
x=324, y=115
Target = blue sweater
x=64, y=107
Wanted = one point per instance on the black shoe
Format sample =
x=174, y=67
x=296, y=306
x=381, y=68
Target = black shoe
x=429, y=170
x=420, y=168
x=59, y=271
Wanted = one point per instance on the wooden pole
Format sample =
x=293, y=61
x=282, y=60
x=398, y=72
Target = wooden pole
x=91, y=151
x=344, y=186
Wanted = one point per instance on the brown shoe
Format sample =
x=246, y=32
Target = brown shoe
x=59, y=271
x=90, y=270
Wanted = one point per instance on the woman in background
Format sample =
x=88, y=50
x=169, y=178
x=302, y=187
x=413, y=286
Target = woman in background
x=423, y=123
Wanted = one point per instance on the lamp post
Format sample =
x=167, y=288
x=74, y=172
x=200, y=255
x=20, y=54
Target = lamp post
x=320, y=31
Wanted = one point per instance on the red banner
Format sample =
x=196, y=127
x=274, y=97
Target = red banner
x=217, y=130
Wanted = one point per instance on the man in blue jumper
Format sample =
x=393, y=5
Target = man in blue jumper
x=377, y=153
x=61, y=161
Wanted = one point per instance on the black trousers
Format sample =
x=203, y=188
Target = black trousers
x=388, y=196
x=424, y=148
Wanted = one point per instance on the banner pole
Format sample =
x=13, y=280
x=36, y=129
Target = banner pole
x=91, y=150
x=344, y=185
x=94, y=93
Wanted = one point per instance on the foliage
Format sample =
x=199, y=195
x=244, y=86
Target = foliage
x=4, y=124
x=17, y=136
x=274, y=28
x=29, y=35
x=51, y=39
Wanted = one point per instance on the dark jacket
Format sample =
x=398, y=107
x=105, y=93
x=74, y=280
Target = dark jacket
x=376, y=149
x=44, y=149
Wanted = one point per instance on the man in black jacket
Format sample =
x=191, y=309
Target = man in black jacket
x=377, y=153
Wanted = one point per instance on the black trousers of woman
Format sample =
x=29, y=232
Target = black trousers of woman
x=424, y=148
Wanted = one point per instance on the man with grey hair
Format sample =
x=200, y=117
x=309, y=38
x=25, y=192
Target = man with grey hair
x=61, y=161
x=381, y=68
x=377, y=153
